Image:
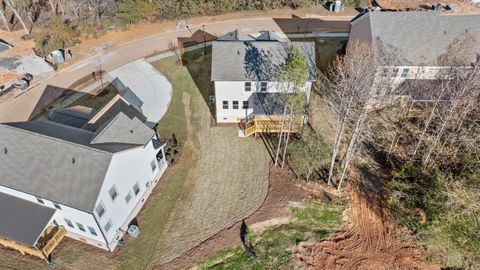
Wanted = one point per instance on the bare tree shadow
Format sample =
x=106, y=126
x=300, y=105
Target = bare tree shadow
x=308, y=25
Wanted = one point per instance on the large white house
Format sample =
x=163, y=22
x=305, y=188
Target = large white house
x=86, y=171
x=418, y=39
x=243, y=73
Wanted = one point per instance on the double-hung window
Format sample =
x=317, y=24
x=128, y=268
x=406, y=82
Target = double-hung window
x=263, y=87
x=100, y=209
x=245, y=105
x=153, y=164
x=92, y=230
x=235, y=104
x=113, y=192
x=80, y=226
x=108, y=225
x=128, y=197
x=248, y=86
x=69, y=223
x=136, y=189
x=225, y=104
x=405, y=72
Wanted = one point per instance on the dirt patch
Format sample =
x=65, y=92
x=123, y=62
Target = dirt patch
x=368, y=241
x=283, y=189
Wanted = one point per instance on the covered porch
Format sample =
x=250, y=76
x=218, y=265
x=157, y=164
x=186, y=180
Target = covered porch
x=28, y=228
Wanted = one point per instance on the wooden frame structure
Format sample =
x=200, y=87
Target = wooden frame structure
x=47, y=242
x=273, y=124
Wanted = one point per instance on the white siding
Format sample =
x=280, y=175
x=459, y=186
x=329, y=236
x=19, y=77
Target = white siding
x=126, y=169
x=69, y=213
x=235, y=91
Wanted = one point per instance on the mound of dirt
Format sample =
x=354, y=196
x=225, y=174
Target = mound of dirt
x=368, y=241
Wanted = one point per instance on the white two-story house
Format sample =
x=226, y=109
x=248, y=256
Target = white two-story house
x=417, y=39
x=243, y=72
x=86, y=171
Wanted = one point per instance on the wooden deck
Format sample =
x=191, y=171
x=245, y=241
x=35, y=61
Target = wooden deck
x=272, y=124
x=45, y=245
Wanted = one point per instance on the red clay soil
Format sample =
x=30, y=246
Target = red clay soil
x=283, y=188
x=368, y=241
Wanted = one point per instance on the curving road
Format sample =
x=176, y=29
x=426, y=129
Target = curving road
x=31, y=103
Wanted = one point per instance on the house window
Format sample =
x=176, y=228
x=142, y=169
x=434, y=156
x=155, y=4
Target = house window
x=235, y=104
x=69, y=223
x=92, y=230
x=263, y=86
x=100, y=209
x=40, y=201
x=395, y=72
x=55, y=222
x=56, y=205
x=248, y=86
x=245, y=105
x=80, y=226
x=136, y=189
x=128, y=197
x=225, y=105
x=113, y=192
x=153, y=164
x=108, y=225
x=405, y=72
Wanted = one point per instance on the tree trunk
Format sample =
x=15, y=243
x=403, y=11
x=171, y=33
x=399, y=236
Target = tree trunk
x=288, y=136
x=52, y=6
x=338, y=140
x=4, y=20
x=14, y=10
x=280, y=136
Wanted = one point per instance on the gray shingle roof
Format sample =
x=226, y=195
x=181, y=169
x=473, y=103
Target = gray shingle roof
x=236, y=35
x=255, y=60
x=23, y=221
x=420, y=37
x=76, y=116
x=67, y=164
x=122, y=129
x=54, y=164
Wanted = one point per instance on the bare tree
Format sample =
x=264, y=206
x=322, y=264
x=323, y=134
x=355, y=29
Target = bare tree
x=4, y=20
x=13, y=6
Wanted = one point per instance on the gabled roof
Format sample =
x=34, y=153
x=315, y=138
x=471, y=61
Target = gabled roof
x=23, y=221
x=236, y=35
x=125, y=130
x=64, y=163
x=55, y=164
x=255, y=60
x=419, y=37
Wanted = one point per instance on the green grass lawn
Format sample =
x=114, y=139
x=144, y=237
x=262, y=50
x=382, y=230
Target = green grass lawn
x=274, y=246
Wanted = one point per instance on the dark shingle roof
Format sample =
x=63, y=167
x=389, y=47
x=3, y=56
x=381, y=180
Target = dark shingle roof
x=23, y=221
x=419, y=37
x=125, y=130
x=255, y=60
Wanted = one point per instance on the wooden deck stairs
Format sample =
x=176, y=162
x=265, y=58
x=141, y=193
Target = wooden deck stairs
x=271, y=124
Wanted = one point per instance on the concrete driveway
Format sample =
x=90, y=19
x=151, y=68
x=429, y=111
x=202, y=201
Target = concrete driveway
x=144, y=87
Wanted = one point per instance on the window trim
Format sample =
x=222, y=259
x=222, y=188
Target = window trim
x=225, y=104
x=245, y=104
x=69, y=223
x=235, y=104
x=80, y=226
x=153, y=164
x=92, y=231
x=57, y=205
x=248, y=85
x=109, y=223
x=129, y=195
x=114, y=187
x=263, y=85
x=103, y=207
x=138, y=187
x=405, y=72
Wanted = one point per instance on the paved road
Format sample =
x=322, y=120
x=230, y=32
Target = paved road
x=32, y=102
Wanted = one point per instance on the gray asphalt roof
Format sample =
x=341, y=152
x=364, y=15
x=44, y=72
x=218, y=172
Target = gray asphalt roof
x=420, y=37
x=255, y=60
x=236, y=35
x=50, y=166
x=122, y=129
x=66, y=164
x=23, y=221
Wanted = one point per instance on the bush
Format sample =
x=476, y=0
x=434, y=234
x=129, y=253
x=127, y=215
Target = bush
x=442, y=209
x=59, y=35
